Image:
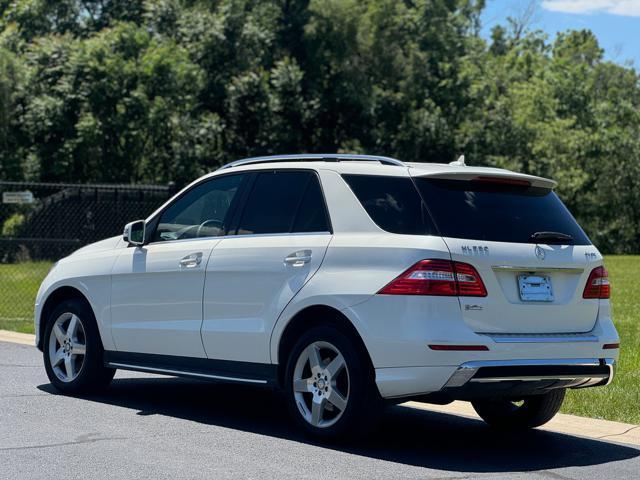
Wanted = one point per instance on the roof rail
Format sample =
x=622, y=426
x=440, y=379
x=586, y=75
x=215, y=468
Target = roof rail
x=316, y=157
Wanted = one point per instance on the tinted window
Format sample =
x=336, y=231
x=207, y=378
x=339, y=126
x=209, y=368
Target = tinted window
x=282, y=202
x=202, y=212
x=496, y=212
x=392, y=202
x=312, y=213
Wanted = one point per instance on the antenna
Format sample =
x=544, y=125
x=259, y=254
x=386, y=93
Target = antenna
x=459, y=162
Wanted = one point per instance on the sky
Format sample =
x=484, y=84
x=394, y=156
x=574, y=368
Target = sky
x=616, y=23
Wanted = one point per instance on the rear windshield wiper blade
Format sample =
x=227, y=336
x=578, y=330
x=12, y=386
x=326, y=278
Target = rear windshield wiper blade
x=551, y=237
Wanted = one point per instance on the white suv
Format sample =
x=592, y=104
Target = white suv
x=348, y=281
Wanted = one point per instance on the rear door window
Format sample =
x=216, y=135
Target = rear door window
x=284, y=201
x=496, y=212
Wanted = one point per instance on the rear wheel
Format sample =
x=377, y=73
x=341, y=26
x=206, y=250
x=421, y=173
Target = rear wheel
x=329, y=387
x=529, y=412
x=73, y=351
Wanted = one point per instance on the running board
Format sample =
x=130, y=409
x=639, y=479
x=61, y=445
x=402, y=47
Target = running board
x=200, y=368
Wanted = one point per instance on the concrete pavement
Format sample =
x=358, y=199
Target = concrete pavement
x=157, y=427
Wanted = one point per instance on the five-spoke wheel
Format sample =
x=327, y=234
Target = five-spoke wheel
x=321, y=384
x=67, y=346
x=329, y=384
x=73, y=352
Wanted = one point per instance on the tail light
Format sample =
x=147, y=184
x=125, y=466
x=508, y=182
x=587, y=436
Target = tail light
x=438, y=277
x=598, y=284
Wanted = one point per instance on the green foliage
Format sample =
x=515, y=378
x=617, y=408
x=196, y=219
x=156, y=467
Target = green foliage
x=11, y=225
x=164, y=90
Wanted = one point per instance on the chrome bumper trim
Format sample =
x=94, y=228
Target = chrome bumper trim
x=535, y=338
x=537, y=268
x=465, y=372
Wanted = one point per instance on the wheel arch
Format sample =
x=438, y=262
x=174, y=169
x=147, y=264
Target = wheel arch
x=60, y=294
x=310, y=317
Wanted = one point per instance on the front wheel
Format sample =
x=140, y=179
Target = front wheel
x=329, y=386
x=73, y=351
x=528, y=412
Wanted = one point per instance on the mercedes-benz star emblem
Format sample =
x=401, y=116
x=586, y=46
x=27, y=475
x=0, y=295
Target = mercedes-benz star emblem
x=540, y=253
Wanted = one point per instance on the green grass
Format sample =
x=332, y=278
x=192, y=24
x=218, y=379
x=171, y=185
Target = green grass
x=19, y=284
x=619, y=401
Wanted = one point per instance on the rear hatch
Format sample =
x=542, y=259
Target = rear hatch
x=531, y=254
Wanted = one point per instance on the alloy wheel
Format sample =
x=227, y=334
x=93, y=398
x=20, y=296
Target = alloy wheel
x=67, y=347
x=321, y=384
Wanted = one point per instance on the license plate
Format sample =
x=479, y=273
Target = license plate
x=535, y=288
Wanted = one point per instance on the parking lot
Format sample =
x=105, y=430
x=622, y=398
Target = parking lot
x=159, y=427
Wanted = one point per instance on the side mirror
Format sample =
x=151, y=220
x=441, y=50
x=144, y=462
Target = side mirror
x=134, y=233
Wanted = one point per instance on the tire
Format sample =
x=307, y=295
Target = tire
x=534, y=411
x=70, y=330
x=345, y=396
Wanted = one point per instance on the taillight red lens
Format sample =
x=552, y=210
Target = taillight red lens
x=469, y=282
x=438, y=277
x=598, y=284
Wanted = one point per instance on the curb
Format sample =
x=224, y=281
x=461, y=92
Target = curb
x=562, y=423
x=15, y=337
x=593, y=428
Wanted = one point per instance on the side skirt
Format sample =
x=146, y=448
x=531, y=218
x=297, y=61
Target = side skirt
x=201, y=368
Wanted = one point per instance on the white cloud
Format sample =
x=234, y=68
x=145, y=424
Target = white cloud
x=629, y=8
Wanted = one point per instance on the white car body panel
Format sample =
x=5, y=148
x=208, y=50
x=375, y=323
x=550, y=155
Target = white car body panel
x=502, y=311
x=87, y=270
x=248, y=283
x=236, y=304
x=156, y=304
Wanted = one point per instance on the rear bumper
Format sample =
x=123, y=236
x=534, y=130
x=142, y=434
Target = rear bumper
x=526, y=377
x=491, y=378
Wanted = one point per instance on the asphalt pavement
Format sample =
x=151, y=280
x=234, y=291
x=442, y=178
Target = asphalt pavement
x=157, y=427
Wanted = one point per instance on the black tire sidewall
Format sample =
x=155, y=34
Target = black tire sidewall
x=361, y=412
x=536, y=411
x=93, y=375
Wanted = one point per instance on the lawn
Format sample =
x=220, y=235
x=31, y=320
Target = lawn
x=619, y=401
x=19, y=284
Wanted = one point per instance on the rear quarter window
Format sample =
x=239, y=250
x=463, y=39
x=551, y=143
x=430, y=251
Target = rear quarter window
x=393, y=203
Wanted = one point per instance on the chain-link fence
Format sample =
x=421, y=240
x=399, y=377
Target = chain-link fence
x=42, y=222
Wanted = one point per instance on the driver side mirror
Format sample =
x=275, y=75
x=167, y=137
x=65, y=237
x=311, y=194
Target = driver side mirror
x=134, y=233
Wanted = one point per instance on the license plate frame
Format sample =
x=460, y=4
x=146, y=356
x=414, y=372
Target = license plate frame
x=535, y=288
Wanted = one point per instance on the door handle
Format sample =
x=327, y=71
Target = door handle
x=191, y=261
x=299, y=258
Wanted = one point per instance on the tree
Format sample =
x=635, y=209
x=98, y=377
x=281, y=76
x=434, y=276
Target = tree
x=164, y=90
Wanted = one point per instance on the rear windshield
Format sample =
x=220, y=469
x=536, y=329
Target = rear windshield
x=496, y=212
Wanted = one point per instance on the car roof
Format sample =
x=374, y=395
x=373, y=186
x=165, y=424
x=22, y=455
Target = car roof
x=378, y=165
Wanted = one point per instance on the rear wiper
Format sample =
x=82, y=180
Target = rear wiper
x=551, y=237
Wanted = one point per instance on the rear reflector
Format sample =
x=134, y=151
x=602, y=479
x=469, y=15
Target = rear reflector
x=598, y=284
x=438, y=277
x=464, y=348
x=610, y=346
